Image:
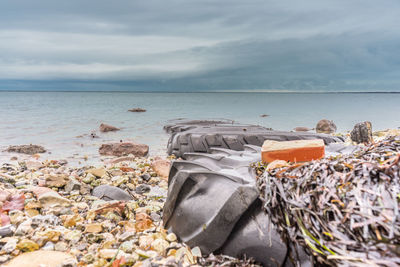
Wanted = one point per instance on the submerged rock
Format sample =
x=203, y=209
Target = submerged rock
x=108, y=128
x=325, y=126
x=302, y=129
x=124, y=149
x=137, y=110
x=26, y=149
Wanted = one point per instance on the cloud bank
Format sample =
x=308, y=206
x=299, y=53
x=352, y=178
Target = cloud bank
x=200, y=45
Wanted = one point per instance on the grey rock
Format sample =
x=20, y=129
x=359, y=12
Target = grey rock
x=7, y=230
x=108, y=192
x=155, y=217
x=72, y=185
x=20, y=183
x=362, y=133
x=48, y=246
x=143, y=188
x=146, y=177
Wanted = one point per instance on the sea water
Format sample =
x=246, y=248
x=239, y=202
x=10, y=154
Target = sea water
x=62, y=121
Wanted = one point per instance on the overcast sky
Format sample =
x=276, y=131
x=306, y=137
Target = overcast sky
x=312, y=45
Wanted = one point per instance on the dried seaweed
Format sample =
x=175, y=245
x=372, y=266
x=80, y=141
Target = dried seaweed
x=343, y=210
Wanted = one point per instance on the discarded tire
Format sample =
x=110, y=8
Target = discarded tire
x=200, y=138
x=180, y=125
x=213, y=203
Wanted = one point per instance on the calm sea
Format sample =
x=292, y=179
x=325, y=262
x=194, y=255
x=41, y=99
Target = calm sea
x=63, y=121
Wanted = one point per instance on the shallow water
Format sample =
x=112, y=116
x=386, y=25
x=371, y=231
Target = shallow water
x=62, y=121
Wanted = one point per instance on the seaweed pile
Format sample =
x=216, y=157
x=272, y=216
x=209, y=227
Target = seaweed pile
x=343, y=210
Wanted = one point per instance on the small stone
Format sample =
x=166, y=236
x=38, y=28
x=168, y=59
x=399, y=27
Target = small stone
x=161, y=167
x=145, y=242
x=27, y=245
x=31, y=212
x=88, y=258
x=56, y=180
x=24, y=228
x=107, y=192
x=73, y=236
x=159, y=245
x=20, y=183
x=33, y=164
x=61, y=246
x=94, y=228
x=119, y=180
x=108, y=253
x=45, y=219
x=48, y=246
x=126, y=236
x=89, y=178
x=171, y=237
x=11, y=245
x=7, y=230
x=146, y=177
x=4, y=258
x=72, y=185
x=16, y=216
x=98, y=172
x=127, y=246
x=143, y=188
x=52, y=198
x=196, y=252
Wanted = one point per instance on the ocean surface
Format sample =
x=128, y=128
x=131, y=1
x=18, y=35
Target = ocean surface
x=63, y=121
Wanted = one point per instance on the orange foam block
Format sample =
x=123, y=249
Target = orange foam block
x=293, y=151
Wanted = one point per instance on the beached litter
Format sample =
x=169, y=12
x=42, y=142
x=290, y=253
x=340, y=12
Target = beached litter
x=344, y=210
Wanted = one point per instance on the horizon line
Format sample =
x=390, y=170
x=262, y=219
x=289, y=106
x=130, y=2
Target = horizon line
x=217, y=91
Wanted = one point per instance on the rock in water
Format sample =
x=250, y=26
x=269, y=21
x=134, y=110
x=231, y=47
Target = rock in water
x=26, y=149
x=302, y=129
x=362, y=133
x=325, y=126
x=108, y=128
x=137, y=110
x=124, y=149
x=108, y=192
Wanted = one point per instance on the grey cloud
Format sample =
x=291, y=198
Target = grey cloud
x=200, y=45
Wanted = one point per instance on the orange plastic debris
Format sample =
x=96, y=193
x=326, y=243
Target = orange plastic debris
x=293, y=151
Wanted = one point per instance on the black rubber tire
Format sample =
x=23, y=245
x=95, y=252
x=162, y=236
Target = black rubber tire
x=203, y=138
x=213, y=203
x=181, y=125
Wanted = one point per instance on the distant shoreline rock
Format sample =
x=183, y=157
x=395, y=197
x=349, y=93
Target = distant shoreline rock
x=124, y=149
x=325, y=126
x=26, y=149
x=137, y=110
x=108, y=128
